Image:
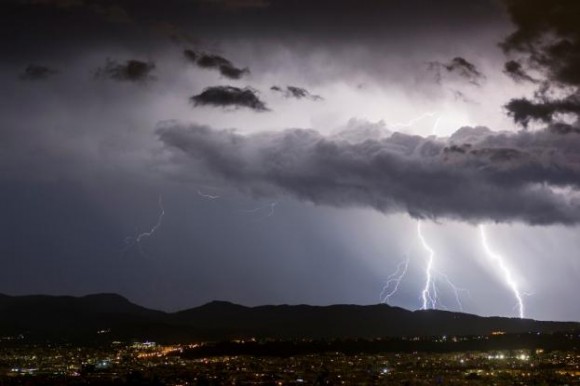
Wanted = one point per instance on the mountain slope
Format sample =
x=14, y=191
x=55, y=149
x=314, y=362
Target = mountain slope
x=80, y=318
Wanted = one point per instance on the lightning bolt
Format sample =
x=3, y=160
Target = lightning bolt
x=435, y=125
x=499, y=260
x=456, y=290
x=270, y=207
x=156, y=226
x=393, y=281
x=413, y=121
x=131, y=241
x=429, y=293
x=207, y=196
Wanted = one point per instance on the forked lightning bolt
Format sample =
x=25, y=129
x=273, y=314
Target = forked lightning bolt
x=499, y=260
x=429, y=294
x=392, y=285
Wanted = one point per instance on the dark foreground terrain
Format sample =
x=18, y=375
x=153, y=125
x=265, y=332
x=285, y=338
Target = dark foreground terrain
x=112, y=317
x=107, y=340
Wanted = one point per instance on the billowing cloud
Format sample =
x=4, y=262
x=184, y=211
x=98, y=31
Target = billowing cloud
x=131, y=71
x=37, y=72
x=229, y=96
x=496, y=176
x=548, y=39
x=460, y=67
x=223, y=65
x=296, y=92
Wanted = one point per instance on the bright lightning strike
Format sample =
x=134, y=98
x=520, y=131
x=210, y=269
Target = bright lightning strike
x=429, y=293
x=505, y=270
x=392, y=285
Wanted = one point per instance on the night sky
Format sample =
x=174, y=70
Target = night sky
x=293, y=152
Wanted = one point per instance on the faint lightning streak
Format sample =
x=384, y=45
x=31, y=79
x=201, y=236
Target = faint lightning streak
x=394, y=279
x=208, y=196
x=429, y=299
x=412, y=121
x=456, y=290
x=503, y=267
x=271, y=206
x=156, y=226
x=435, y=125
x=271, y=212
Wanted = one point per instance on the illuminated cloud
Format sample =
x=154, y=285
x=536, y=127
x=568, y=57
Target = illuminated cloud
x=499, y=176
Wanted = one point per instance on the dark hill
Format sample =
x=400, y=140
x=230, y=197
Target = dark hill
x=79, y=318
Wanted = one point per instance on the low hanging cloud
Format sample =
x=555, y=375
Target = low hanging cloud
x=296, y=92
x=475, y=175
x=129, y=71
x=458, y=66
x=229, y=96
x=223, y=65
x=37, y=72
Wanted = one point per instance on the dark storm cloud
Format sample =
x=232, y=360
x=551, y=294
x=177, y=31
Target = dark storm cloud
x=515, y=70
x=460, y=67
x=223, y=65
x=548, y=33
x=296, y=92
x=499, y=176
x=232, y=72
x=212, y=61
x=524, y=110
x=548, y=37
x=191, y=55
x=130, y=71
x=229, y=96
x=61, y=25
x=37, y=72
